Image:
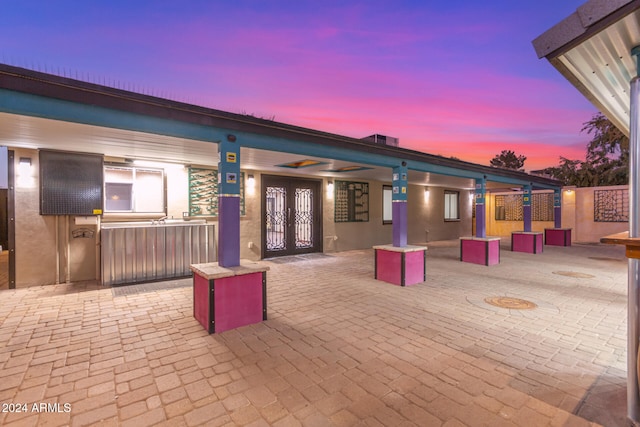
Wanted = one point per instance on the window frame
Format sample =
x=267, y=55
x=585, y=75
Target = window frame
x=446, y=205
x=387, y=200
x=133, y=189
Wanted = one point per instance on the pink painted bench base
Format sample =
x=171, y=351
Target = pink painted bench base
x=557, y=236
x=527, y=241
x=480, y=250
x=228, y=298
x=400, y=265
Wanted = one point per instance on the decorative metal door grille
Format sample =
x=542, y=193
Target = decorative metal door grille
x=611, y=205
x=542, y=207
x=351, y=201
x=292, y=212
x=203, y=192
x=304, y=218
x=276, y=217
x=509, y=208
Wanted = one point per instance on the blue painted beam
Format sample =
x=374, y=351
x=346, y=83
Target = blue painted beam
x=49, y=108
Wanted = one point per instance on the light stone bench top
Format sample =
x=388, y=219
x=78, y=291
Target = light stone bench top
x=211, y=270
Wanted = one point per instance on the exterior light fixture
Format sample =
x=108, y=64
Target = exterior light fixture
x=24, y=166
x=330, y=189
x=24, y=176
x=251, y=184
x=154, y=164
x=426, y=194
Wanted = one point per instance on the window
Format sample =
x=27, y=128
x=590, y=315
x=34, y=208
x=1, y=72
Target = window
x=136, y=190
x=351, y=201
x=387, y=204
x=451, y=202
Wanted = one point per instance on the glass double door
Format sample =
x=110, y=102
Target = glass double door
x=292, y=221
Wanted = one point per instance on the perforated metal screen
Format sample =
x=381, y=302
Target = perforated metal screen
x=70, y=183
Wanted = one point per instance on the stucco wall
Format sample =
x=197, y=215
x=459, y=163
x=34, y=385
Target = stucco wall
x=426, y=217
x=505, y=228
x=577, y=214
x=36, y=234
x=586, y=230
x=360, y=235
x=35, y=249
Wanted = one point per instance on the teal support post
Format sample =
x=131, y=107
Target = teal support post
x=526, y=207
x=557, y=208
x=399, y=205
x=481, y=223
x=229, y=202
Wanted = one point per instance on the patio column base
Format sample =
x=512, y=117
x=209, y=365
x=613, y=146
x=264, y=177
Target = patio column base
x=401, y=265
x=530, y=242
x=557, y=236
x=480, y=250
x=226, y=298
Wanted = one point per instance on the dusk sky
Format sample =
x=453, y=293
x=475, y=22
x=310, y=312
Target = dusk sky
x=456, y=78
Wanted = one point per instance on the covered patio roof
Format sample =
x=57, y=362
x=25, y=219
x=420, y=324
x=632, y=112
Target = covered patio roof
x=39, y=110
x=592, y=49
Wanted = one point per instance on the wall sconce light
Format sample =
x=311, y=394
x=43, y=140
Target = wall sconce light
x=24, y=174
x=426, y=195
x=251, y=184
x=24, y=166
x=330, y=189
x=472, y=196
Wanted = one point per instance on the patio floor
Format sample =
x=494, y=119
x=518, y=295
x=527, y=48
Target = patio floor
x=339, y=348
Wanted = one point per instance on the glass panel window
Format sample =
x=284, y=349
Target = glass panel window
x=130, y=189
x=387, y=204
x=118, y=196
x=149, y=191
x=451, y=199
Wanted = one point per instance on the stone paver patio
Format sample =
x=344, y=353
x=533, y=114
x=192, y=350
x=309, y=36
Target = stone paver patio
x=339, y=348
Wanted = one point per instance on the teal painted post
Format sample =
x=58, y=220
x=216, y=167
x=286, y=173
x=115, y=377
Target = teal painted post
x=557, y=208
x=526, y=207
x=399, y=205
x=481, y=223
x=229, y=202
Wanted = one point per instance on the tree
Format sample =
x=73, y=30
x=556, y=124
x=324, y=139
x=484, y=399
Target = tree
x=607, y=159
x=507, y=159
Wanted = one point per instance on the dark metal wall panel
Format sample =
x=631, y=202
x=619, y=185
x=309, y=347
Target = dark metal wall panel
x=70, y=183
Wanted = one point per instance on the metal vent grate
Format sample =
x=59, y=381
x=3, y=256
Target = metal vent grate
x=71, y=183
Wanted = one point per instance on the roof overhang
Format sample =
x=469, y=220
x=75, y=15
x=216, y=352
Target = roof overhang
x=39, y=110
x=592, y=49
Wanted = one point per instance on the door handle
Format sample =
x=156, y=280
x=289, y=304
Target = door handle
x=289, y=217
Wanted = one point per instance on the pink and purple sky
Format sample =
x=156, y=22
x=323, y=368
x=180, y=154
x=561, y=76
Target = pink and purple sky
x=456, y=78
